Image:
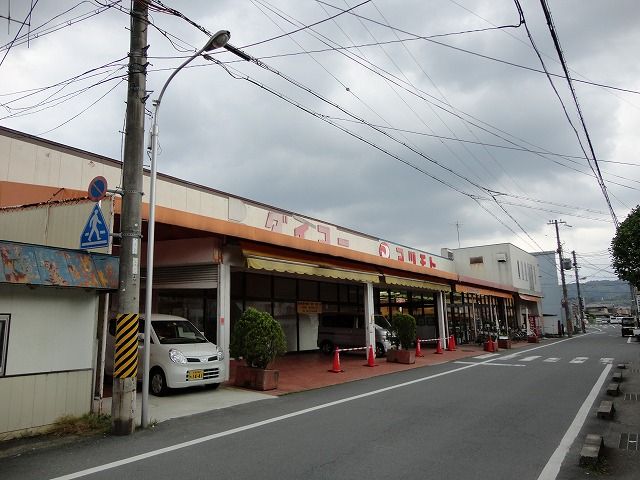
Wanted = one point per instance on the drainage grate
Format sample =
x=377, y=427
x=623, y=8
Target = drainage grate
x=628, y=441
x=632, y=397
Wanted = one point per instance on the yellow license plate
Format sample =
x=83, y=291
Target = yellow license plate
x=195, y=375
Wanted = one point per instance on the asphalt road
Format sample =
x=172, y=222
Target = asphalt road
x=497, y=417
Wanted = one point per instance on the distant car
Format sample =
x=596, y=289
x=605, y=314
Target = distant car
x=628, y=325
x=616, y=320
x=180, y=355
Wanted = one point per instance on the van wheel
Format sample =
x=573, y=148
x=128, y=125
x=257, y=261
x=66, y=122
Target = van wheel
x=380, y=351
x=158, y=383
x=326, y=347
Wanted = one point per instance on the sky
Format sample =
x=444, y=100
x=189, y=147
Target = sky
x=428, y=123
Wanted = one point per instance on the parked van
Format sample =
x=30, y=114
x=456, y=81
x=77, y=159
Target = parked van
x=180, y=355
x=348, y=330
x=628, y=326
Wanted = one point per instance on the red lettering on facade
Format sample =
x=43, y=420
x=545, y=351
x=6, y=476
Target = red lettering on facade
x=301, y=230
x=400, y=254
x=423, y=260
x=384, y=251
x=343, y=242
x=412, y=257
x=324, y=230
x=275, y=221
x=432, y=264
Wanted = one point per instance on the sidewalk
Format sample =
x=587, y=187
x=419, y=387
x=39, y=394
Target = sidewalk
x=621, y=434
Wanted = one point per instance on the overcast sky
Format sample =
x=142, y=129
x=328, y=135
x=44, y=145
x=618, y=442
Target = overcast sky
x=436, y=132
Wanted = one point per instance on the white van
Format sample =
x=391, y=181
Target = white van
x=180, y=355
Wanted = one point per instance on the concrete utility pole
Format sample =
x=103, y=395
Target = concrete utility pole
x=124, y=386
x=580, y=302
x=565, y=302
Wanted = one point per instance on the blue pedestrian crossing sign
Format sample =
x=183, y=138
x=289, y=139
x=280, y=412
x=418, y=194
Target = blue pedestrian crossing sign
x=96, y=232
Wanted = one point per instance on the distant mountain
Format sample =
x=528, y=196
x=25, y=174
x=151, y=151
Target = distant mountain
x=602, y=291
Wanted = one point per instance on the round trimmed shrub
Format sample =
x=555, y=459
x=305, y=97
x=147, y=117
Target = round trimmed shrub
x=403, y=330
x=258, y=338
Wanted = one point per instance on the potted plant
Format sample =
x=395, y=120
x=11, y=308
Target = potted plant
x=403, y=334
x=258, y=339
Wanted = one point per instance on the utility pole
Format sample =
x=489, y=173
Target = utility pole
x=565, y=302
x=124, y=378
x=580, y=302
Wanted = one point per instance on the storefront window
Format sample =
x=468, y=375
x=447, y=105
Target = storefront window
x=258, y=286
x=285, y=314
x=308, y=290
x=329, y=292
x=284, y=288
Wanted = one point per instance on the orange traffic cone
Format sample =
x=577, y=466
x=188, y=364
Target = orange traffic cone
x=336, y=362
x=450, y=346
x=370, y=358
x=438, y=347
x=453, y=343
x=418, y=349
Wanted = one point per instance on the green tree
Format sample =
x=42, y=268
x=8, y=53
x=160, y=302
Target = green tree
x=403, y=330
x=625, y=249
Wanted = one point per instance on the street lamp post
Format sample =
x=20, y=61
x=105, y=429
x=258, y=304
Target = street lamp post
x=218, y=40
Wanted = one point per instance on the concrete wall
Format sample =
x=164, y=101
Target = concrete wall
x=552, y=300
x=50, y=356
x=519, y=268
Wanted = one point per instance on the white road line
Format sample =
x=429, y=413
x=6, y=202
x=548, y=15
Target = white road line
x=579, y=360
x=606, y=360
x=552, y=359
x=196, y=441
x=551, y=469
x=491, y=364
x=509, y=357
x=629, y=339
x=530, y=359
x=251, y=426
x=487, y=355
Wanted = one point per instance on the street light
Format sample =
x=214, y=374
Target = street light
x=218, y=40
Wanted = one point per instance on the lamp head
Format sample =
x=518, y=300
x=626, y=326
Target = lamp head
x=217, y=40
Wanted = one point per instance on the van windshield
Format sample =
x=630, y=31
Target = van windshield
x=177, y=331
x=628, y=321
x=382, y=322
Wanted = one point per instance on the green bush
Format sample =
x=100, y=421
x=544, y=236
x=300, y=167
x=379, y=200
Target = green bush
x=403, y=330
x=257, y=338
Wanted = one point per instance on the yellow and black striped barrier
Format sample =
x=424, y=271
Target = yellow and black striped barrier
x=126, y=356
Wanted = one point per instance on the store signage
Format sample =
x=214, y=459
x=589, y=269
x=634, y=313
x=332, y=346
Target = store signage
x=309, y=307
x=307, y=229
x=405, y=255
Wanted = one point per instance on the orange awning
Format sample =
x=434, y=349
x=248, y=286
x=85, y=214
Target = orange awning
x=482, y=291
x=529, y=298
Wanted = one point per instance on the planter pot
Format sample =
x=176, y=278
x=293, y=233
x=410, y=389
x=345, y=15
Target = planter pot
x=533, y=339
x=256, y=378
x=401, y=356
x=504, y=342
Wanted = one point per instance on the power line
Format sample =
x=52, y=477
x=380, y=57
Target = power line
x=556, y=42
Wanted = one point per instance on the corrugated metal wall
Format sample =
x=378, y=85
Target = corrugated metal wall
x=54, y=224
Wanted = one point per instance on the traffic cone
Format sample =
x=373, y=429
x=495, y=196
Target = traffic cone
x=370, y=358
x=450, y=346
x=453, y=343
x=336, y=362
x=438, y=347
x=418, y=349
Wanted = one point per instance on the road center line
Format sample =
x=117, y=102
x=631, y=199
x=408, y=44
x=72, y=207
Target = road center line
x=233, y=431
x=551, y=469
